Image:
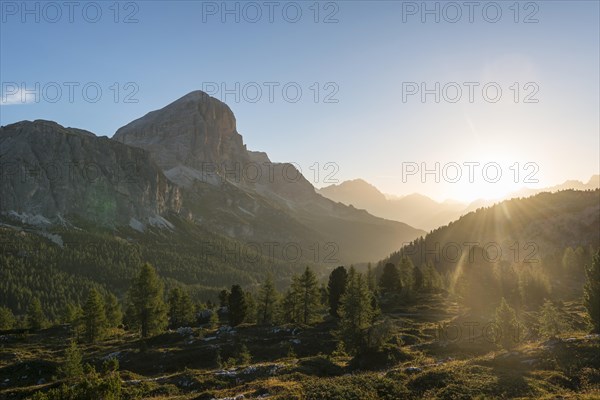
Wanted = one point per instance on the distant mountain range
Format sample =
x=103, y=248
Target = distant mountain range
x=187, y=162
x=519, y=230
x=421, y=211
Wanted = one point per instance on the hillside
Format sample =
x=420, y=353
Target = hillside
x=520, y=230
x=421, y=211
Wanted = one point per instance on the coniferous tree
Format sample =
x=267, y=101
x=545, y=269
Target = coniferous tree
x=336, y=288
x=417, y=278
x=475, y=283
x=114, y=314
x=551, y=321
x=356, y=311
x=35, y=315
x=407, y=275
x=534, y=286
x=591, y=291
x=371, y=279
x=292, y=302
x=250, y=308
x=146, y=308
x=431, y=277
x=71, y=314
x=73, y=365
x=309, y=296
x=390, y=279
x=508, y=283
x=267, y=303
x=94, y=317
x=224, y=298
x=506, y=325
x=214, y=319
x=7, y=319
x=237, y=305
x=181, y=309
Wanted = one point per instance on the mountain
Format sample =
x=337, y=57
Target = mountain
x=186, y=162
x=421, y=211
x=240, y=192
x=593, y=183
x=50, y=173
x=520, y=230
x=414, y=209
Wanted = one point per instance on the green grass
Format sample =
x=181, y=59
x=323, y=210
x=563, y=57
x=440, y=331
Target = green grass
x=170, y=366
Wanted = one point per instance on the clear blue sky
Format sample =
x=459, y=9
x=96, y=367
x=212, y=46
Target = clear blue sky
x=177, y=47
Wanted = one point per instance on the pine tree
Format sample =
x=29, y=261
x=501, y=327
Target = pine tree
x=390, y=279
x=7, y=319
x=214, y=319
x=94, y=317
x=417, y=278
x=237, y=306
x=407, y=275
x=72, y=366
x=71, y=314
x=224, y=298
x=309, y=295
x=250, y=308
x=181, y=309
x=356, y=311
x=35, y=316
x=591, y=292
x=371, y=279
x=292, y=302
x=506, y=324
x=475, y=283
x=431, y=277
x=114, y=314
x=336, y=288
x=146, y=306
x=267, y=302
x=244, y=357
x=551, y=321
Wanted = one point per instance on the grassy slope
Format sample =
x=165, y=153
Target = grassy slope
x=172, y=366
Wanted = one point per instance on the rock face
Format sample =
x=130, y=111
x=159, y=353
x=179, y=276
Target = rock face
x=196, y=143
x=53, y=171
x=196, y=131
x=194, y=139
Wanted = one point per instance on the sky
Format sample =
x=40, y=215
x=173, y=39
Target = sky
x=454, y=100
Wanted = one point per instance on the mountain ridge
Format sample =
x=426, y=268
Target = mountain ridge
x=420, y=210
x=195, y=165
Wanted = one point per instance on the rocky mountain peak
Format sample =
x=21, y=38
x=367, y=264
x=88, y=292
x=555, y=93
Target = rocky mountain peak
x=196, y=131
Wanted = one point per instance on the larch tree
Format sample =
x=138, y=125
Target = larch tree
x=310, y=297
x=114, y=314
x=390, y=281
x=94, y=317
x=336, y=288
x=237, y=305
x=356, y=311
x=181, y=308
x=146, y=304
x=35, y=315
x=268, y=299
x=591, y=291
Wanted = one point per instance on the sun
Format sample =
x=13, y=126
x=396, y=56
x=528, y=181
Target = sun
x=493, y=177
